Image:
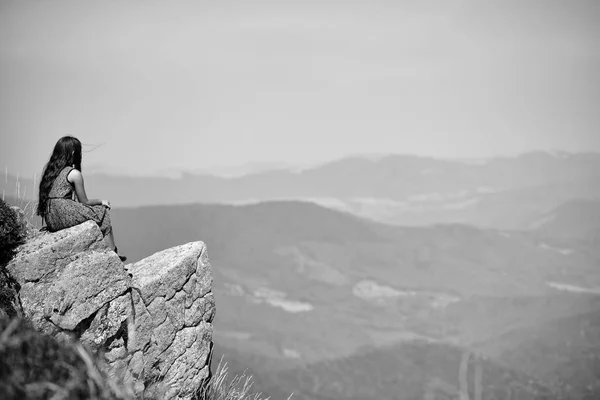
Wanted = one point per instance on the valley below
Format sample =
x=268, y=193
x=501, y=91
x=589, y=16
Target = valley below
x=326, y=305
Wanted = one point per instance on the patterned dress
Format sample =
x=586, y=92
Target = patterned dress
x=62, y=211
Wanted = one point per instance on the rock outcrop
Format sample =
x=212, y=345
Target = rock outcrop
x=153, y=327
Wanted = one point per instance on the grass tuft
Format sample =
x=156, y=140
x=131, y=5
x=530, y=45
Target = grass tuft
x=18, y=197
x=220, y=387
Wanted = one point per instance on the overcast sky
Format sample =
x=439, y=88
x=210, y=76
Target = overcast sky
x=193, y=84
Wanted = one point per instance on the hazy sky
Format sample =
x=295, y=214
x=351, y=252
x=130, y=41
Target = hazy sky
x=192, y=84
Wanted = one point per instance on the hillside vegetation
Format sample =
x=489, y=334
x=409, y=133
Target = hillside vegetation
x=574, y=219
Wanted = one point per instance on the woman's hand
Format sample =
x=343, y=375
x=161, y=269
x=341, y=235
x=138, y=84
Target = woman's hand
x=106, y=204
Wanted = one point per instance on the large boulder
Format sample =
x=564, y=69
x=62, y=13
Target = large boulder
x=153, y=327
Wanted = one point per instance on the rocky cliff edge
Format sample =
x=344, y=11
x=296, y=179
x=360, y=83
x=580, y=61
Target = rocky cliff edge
x=153, y=327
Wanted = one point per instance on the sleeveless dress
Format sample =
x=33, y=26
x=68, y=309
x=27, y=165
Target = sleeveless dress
x=62, y=211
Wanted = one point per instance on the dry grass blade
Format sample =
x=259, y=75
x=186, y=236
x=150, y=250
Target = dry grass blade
x=94, y=377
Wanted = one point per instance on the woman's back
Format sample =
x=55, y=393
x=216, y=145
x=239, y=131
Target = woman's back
x=61, y=187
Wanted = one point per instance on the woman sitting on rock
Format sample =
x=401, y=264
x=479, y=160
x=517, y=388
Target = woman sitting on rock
x=61, y=179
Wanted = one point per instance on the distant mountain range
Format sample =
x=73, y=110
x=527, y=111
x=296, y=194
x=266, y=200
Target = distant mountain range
x=506, y=193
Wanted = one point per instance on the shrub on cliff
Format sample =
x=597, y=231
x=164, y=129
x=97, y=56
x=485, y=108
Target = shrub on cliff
x=38, y=366
x=12, y=234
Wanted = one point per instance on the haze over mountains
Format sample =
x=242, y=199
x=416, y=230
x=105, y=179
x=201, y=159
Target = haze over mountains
x=498, y=257
x=508, y=192
x=364, y=276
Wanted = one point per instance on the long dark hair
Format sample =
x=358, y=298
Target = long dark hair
x=67, y=152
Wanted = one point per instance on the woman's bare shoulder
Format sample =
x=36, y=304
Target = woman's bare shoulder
x=74, y=175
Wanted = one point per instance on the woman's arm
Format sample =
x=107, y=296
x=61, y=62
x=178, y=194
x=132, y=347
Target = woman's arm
x=76, y=179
